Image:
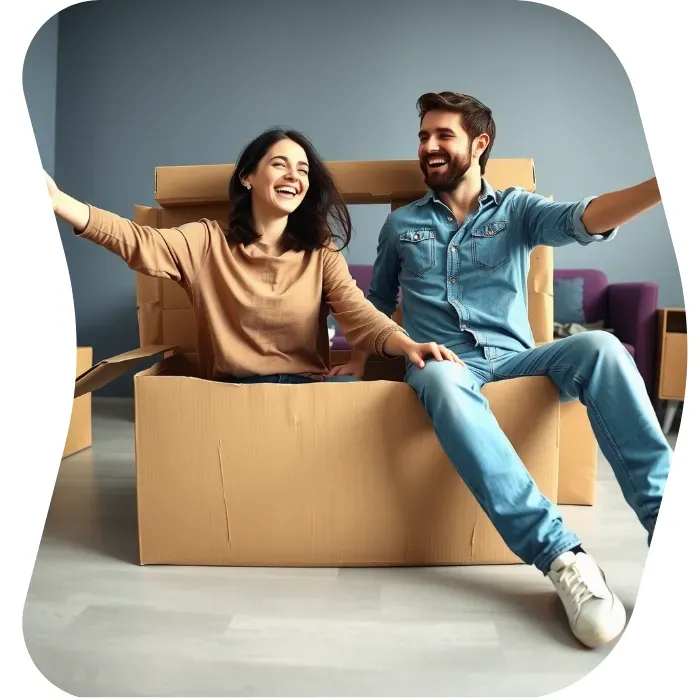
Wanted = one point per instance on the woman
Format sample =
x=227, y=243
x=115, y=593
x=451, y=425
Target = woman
x=257, y=284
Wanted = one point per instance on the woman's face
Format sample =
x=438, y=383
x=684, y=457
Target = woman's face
x=281, y=180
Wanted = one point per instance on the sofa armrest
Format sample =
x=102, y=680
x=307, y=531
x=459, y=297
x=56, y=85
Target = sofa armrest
x=632, y=315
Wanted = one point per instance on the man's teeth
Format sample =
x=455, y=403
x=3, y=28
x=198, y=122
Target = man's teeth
x=437, y=161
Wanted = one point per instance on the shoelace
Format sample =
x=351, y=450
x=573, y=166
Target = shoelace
x=576, y=587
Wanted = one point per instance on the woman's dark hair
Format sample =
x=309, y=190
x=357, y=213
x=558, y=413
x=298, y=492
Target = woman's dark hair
x=322, y=217
x=477, y=118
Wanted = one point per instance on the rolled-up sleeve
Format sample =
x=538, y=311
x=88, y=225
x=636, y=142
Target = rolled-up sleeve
x=556, y=223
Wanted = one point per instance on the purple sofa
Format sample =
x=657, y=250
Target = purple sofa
x=629, y=309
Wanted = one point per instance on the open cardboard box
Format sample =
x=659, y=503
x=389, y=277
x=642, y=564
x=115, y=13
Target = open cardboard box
x=307, y=475
x=312, y=475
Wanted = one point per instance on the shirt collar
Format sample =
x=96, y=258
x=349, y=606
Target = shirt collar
x=487, y=192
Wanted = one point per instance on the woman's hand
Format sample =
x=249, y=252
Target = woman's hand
x=400, y=344
x=71, y=210
x=354, y=368
x=417, y=352
x=54, y=192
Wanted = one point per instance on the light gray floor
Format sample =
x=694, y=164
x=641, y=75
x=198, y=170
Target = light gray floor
x=98, y=624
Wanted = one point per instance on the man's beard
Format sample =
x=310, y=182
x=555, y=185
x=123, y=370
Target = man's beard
x=453, y=175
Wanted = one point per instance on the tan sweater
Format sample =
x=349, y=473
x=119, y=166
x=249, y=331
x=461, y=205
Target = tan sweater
x=256, y=312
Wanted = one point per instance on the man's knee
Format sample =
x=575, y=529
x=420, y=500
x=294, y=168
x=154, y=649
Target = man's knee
x=598, y=344
x=440, y=379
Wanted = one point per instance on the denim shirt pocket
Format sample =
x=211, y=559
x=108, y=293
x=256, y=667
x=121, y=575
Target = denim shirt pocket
x=490, y=247
x=417, y=250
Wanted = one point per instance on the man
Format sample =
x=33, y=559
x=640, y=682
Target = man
x=460, y=255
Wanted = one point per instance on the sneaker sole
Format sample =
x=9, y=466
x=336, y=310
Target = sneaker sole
x=610, y=634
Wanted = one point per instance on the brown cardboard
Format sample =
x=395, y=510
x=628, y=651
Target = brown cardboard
x=80, y=428
x=578, y=457
x=104, y=372
x=214, y=489
x=674, y=369
x=540, y=313
x=672, y=357
x=360, y=182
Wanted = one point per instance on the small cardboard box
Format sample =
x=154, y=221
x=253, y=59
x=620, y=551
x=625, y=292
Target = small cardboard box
x=80, y=428
x=312, y=475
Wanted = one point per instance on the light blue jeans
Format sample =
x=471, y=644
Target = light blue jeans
x=593, y=367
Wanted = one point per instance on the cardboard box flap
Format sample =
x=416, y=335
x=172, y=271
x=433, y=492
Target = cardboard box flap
x=104, y=372
x=360, y=182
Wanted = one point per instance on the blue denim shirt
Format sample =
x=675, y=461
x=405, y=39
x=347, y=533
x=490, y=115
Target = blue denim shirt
x=466, y=285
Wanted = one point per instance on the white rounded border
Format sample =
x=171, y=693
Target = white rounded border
x=657, y=48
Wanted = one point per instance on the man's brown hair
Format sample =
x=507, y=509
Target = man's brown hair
x=477, y=118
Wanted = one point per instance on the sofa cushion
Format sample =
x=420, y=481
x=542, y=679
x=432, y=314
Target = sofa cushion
x=568, y=301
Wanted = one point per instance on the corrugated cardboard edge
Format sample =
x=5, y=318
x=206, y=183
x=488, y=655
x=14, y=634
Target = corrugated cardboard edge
x=104, y=372
x=360, y=182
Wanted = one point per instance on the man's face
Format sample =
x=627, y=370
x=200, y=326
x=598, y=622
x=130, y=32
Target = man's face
x=444, y=150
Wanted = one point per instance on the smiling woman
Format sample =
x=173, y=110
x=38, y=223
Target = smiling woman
x=283, y=195
x=257, y=288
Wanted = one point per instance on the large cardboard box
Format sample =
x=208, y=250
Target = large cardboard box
x=318, y=475
x=312, y=475
x=80, y=428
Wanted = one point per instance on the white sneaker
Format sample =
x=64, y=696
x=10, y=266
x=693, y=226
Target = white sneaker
x=596, y=615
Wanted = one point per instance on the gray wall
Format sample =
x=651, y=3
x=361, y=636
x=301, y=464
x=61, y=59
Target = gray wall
x=150, y=83
x=39, y=82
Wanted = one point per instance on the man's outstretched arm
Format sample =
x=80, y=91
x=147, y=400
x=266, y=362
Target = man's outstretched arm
x=586, y=221
x=611, y=210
